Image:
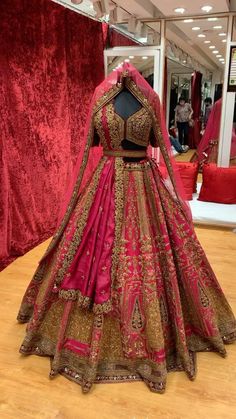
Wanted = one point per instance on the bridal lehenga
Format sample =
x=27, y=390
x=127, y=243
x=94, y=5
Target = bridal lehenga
x=125, y=292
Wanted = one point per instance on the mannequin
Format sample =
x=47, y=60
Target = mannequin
x=126, y=105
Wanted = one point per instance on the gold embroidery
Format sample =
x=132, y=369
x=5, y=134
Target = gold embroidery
x=138, y=127
x=137, y=166
x=203, y=296
x=98, y=125
x=119, y=208
x=136, y=320
x=106, y=97
x=116, y=126
x=75, y=241
x=164, y=311
x=125, y=153
x=85, y=302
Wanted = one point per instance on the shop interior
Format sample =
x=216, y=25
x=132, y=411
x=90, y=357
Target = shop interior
x=55, y=53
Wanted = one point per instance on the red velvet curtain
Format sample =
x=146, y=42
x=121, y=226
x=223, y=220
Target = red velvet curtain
x=51, y=59
x=196, y=99
x=117, y=39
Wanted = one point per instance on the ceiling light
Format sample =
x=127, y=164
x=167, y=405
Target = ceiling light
x=201, y=35
x=212, y=19
x=215, y=52
x=131, y=56
x=180, y=10
x=212, y=47
x=127, y=60
x=219, y=56
x=221, y=59
x=188, y=20
x=217, y=27
x=224, y=40
x=144, y=58
x=184, y=61
x=206, y=9
x=222, y=34
x=196, y=28
x=207, y=42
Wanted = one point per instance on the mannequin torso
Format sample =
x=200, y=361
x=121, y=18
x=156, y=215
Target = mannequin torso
x=126, y=105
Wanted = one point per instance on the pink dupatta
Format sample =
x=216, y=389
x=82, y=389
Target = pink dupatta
x=90, y=156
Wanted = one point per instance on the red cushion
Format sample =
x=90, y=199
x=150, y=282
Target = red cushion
x=218, y=185
x=188, y=173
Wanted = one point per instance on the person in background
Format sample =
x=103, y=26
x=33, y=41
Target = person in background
x=175, y=141
x=183, y=114
x=208, y=108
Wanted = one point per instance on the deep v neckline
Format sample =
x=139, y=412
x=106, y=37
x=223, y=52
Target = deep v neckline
x=125, y=121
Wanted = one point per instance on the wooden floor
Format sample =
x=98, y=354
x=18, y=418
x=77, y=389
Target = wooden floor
x=185, y=156
x=26, y=391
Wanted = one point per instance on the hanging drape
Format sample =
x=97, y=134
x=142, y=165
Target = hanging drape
x=105, y=34
x=51, y=59
x=196, y=99
x=116, y=39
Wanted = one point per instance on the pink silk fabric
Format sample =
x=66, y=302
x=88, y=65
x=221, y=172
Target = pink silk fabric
x=212, y=132
x=48, y=73
x=93, y=257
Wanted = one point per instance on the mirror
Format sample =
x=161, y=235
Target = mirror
x=195, y=72
x=145, y=59
x=144, y=64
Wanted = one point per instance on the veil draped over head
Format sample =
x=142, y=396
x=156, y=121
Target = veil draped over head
x=90, y=155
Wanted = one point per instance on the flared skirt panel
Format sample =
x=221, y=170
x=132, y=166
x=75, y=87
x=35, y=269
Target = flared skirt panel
x=128, y=293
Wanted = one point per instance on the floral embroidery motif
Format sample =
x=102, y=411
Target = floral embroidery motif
x=98, y=126
x=203, y=296
x=138, y=127
x=119, y=206
x=136, y=320
x=115, y=126
x=163, y=308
